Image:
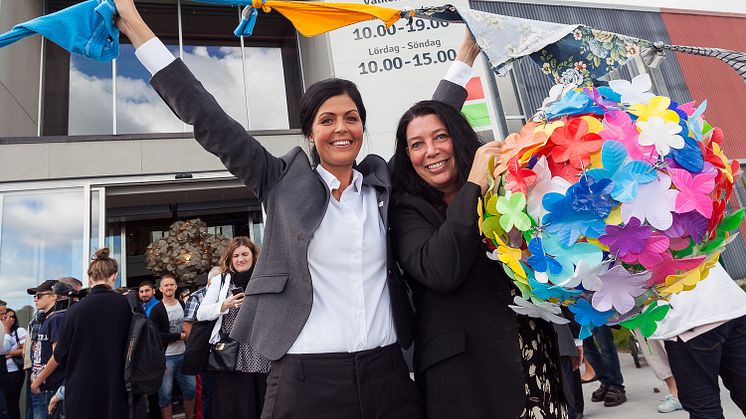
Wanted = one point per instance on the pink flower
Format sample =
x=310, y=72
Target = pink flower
x=580, y=66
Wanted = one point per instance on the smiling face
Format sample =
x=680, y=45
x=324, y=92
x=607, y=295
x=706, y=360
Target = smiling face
x=430, y=149
x=337, y=132
x=242, y=259
x=168, y=286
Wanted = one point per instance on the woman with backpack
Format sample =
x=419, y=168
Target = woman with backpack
x=13, y=381
x=92, y=345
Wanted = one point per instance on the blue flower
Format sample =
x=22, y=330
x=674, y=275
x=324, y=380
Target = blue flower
x=580, y=211
x=587, y=316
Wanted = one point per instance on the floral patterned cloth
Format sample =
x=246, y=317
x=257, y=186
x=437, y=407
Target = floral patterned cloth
x=569, y=54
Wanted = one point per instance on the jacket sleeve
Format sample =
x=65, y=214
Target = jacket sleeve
x=209, y=309
x=439, y=258
x=217, y=132
x=450, y=93
x=159, y=317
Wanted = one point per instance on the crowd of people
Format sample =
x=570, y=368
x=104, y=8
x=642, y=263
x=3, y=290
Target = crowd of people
x=359, y=261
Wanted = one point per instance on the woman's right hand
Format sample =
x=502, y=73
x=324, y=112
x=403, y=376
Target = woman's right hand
x=131, y=23
x=232, y=301
x=478, y=172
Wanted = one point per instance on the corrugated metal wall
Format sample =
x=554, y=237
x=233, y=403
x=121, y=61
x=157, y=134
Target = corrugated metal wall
x=534, y=85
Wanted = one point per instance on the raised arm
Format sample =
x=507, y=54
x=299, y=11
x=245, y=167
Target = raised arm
x=218, y=133
x=451, y=89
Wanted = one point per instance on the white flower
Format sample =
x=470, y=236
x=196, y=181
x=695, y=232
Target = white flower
x=638, y=91
x=586, y=274
x=663, y=135
x=541, y=310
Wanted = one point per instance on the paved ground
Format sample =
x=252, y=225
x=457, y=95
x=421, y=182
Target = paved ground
x=642, y=401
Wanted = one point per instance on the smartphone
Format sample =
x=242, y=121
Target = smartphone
x=236, y=291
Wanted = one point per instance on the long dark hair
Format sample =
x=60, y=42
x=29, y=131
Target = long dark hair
x=465, y=145
x=316, y=95
x=16, y=324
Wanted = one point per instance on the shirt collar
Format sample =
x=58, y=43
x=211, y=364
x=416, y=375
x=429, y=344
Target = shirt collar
x=333, y=183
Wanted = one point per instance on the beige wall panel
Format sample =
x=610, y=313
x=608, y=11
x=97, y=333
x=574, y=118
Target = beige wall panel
x=15, y=121
x=24, y=162
x=19, y=65
x=92, y=158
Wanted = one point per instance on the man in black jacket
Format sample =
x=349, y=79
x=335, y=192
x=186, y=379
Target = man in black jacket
x=168, y=316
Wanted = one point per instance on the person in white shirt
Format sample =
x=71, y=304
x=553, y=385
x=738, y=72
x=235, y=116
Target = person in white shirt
x=13, y=382
x=325, y=303
x=705, y=337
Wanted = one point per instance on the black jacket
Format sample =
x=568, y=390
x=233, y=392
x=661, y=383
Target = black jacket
x=467, y=360
x=159, y=317
x=91, y=350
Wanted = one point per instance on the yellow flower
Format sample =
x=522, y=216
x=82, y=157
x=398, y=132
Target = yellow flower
x=546, y=69
x=657, y=106
x=602, y=36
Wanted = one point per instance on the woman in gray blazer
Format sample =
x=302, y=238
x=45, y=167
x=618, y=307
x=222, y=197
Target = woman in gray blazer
x=325, y=303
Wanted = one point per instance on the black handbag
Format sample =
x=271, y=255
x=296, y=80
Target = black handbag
x=223, y=355
x=197, y=348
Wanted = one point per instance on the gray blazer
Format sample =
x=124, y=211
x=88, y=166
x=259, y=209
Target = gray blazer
x=279, y=295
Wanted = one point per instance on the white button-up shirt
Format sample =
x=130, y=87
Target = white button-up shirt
x=351, y=308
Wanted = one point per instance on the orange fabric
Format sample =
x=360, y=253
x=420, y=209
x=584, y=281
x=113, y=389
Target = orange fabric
x=314, y=18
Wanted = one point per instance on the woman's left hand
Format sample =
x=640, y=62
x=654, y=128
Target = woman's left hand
x=35, y=386
x=485, y=153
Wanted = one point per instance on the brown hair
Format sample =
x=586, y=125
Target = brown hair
x=102, y=266
x=225, y=261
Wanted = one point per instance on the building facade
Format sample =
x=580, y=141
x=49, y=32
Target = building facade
x=91, y=157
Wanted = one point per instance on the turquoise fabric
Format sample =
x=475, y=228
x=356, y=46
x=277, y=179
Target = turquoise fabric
x=86, y=28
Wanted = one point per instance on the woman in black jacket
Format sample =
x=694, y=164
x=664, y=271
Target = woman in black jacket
x=474, y=358
x=92, y=345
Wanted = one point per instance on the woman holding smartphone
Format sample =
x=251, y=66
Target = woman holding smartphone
x=239, y=393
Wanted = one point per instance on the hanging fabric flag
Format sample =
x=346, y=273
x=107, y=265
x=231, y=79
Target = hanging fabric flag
x=312, y=18
x=86, y=28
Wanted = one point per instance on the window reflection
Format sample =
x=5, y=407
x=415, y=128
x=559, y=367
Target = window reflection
x=41, y=237
x=90, y=100
x=220, y=70
x=139, y=108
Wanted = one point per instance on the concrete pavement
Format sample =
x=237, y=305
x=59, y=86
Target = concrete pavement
x=642, y=401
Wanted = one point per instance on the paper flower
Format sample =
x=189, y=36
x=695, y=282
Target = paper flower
x=654, y=203
x=544, y=184
x=629, y=238
x=567, y=256
x=518, y=179
x=586, y=274
x=593, y=196
x=619, y=290
x=509, y=256
x=618, y=126
x=540, y=310
x=511, y=209
x=637, y=91
x=661, y=134
x=689, y=224
x=690, y=156
x=625, y=175
x=574, y=144
x=647, y=321
x=555, y=94
x=693, y=191
x=586, y=315
x=670, y=266
x=539, y=260
x=546, y=291
x=656, y=107
x=573, y=102
x=567, y=221
x=650, y=255
x=515, y=145
x=695, y=121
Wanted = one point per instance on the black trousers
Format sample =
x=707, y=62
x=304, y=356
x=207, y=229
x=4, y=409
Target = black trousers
x=371, y=384
x=238, y=395
x=12, y=384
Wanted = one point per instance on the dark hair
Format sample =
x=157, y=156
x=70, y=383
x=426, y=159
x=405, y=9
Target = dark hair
x=16, y=324
x=102, y=266
x=146, y=283
x=3, y=303
x=225, y=261
x=465, y=145
x=73, y=282
x=316, y=95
